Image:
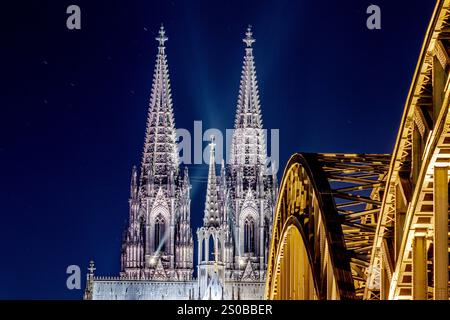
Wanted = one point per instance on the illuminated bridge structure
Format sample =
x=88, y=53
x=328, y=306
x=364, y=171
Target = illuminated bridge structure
x=351, y=226
x=324, y=225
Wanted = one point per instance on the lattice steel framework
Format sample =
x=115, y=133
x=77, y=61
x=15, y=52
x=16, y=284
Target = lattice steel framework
x=324, y=225
x=390, y=241
x=410, y=258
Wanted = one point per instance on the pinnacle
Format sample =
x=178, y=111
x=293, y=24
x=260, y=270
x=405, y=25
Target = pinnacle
x=211, y=206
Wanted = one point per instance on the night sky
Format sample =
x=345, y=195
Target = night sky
x=74, y=104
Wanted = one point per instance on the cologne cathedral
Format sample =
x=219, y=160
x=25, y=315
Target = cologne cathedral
x=157, y=258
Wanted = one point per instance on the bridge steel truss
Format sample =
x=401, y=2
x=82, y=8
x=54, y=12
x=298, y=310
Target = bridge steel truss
x=324, y=226
x=352, y=226
x=411, y=248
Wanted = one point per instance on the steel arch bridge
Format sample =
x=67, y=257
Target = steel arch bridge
x=325, y=223
x=351, y=226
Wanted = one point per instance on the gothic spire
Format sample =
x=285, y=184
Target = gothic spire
x=248, y=114
x=248, y=147
x=160, y=154
x=211, y=217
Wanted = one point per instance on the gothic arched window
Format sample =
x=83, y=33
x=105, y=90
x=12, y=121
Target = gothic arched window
x=266, y=233
x=266, y=237
x=212, y=248
x=160, y=229
x=249, y=235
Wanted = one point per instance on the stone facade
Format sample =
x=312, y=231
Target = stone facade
x=233, y=243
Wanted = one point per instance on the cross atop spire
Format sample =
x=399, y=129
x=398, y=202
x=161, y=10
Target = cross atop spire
x=249, y=40
x=162, y=36
x=91, y=268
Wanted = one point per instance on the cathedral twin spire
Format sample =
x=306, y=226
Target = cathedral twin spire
x=158, y=242
x=237, y=214
x=233, y=241
x=248, y=150
x=248, y=114
x=160, y=156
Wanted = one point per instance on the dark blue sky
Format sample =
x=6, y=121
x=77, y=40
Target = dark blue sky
x=74, y=103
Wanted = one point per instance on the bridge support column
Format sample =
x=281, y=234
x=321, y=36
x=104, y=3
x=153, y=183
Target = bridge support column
x=419, y=256
x=440, y=244
x=416, y=154
x=400, y=214
x=384, y=285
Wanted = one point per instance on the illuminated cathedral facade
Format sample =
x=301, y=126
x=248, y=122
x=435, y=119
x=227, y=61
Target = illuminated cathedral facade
x=157, y=258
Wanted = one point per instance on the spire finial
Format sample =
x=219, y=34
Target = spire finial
x=162, y=36
x=91, y=268
x=212, y=144
x=248, y=40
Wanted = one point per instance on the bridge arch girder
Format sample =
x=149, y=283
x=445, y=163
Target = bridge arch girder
x=325, y=202
x=406, y=240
